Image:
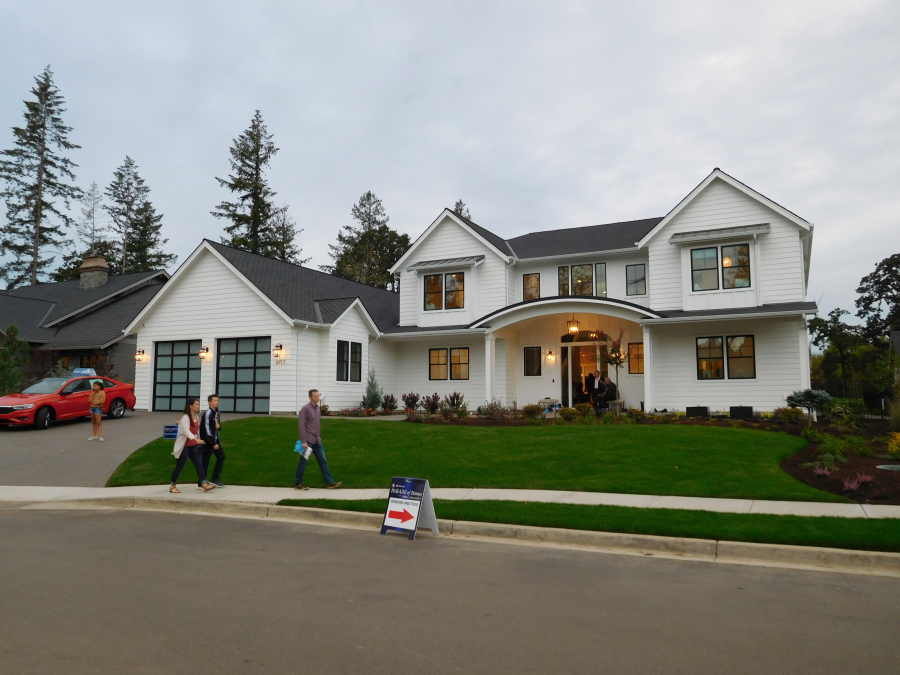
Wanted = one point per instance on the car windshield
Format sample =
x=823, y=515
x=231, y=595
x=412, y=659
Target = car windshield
x=49, y=386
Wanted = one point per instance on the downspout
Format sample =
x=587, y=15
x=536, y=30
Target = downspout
x=297, y=372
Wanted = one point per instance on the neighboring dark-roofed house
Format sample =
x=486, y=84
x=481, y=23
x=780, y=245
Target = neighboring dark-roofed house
x=81, y=322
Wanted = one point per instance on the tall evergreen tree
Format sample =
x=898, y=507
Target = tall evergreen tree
x=90, y=227
x=127, y=193
x=283, y=237
x=145, y=242
x=879, y=298
x=13, y=359
x=251, y=214
x=39, y=184
x=71, y=261
x=366, y=252
x=461, y=209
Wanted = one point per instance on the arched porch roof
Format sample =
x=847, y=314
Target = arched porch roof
x=565, y=304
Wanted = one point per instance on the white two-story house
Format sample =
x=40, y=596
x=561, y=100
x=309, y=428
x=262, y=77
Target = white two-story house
x=709, y=301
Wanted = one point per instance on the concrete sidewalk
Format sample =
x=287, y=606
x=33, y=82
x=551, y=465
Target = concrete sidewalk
x=270, y=495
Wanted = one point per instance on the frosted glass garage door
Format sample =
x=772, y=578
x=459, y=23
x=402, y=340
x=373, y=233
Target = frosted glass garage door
x=176, y=374
x=244, y=372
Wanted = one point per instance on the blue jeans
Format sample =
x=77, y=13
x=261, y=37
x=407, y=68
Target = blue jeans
x=319, y=452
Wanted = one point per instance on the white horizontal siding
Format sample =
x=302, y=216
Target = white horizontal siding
x=779, y=365
x=411, y=372
x=353, y=328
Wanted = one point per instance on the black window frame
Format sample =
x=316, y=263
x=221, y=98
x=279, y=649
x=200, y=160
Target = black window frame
x=445, y=364
x=723, y=268
x=459, y=292
x=603, y=293
x=525, y=286
x=262, y=361
x=439, y=293
x=629, y=283
x=534, y=361
x=590, y=289
x=356, y=361
x=632, y=359
x=342, y=369
x=560, y=278
x=715, y=267
x=458, y=364
x=710, y=358
x=729, y=358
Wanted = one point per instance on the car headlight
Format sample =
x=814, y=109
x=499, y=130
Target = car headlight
x=24, y=406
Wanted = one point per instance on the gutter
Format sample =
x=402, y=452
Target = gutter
x=720, y=317
x=631, y=249
x=427, y=333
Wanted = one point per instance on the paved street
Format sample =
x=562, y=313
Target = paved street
x=115, y=591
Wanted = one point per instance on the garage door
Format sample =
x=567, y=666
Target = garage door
x=244, y=374
x=176, y=374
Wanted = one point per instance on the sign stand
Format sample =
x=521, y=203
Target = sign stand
x=409, y=505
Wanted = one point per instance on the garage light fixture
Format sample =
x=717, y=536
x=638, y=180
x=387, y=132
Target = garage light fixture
x=139, y=355
x=204, y=353
x=277, y=350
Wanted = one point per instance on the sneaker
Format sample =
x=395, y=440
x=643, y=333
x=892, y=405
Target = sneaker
x=100, y=438
x=217, y=483
x=300, y=486
x=92, y=438
x=199, y=487
x=335, y=486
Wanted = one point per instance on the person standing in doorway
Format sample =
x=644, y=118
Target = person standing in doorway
x=96, y=399
x=212, y=444
x=597, y=389
x=186, y=445
x=311, y=437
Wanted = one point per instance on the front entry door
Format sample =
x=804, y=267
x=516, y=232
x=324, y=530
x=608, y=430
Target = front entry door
x=577, y=361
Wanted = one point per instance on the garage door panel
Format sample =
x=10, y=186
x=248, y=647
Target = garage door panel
x=176, y=374
x=243, y=373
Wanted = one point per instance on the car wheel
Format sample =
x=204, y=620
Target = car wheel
x=42, y=419
x=116, y=409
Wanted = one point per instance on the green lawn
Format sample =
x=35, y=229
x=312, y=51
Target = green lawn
x=853, y=533
x=652, y=459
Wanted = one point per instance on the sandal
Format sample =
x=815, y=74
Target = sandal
x=208, y=486
x=174, y=489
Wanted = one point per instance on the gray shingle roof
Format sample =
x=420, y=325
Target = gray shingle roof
x=331, y=309
x=497, y=242
x=28, y=315
x=295, y=289
x=576, y=240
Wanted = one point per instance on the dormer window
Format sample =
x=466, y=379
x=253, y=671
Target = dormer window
x=445, y=291
x=734, y=266
x=705, y=269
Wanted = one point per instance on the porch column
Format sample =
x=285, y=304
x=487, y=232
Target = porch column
x=489, y=358
x=648, y=369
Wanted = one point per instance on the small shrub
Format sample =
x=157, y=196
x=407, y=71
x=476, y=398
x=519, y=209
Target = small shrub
x=323, y=408
x=636, y=414
x=858, y=446
x=609, y=418
x=822, y=471
x=454, y=400
x=374, y=394
x=431, y=403
x=532, y=411
x=411, y=400
x=568, y=414
x=493, y=410
x=810, y=400
x=813, y=435
x=584, y=409
x=462, y=414
x=865, y=478
x=789, y=415
x=445, y=412
x=371, y=412
x=765, y=415
x=893, y=446
x=851, y=484
x=353, y=412
x=665, y=419
x=412, y=415
x=389, y=403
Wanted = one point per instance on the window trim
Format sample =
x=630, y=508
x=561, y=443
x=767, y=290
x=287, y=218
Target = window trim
x=425, y=293
x=572, y=280
x=450, y=364
x=749, y=266
x=597, y=281
x=531, y=274
x=568, y=292
x=635, y=295
x=342, y=375
x=717, y=268
x=359, y=352
x=446, y=363
x=540, y=360
x=697, y=339
x=630, y=361
x=728, y=357
x=447, y=275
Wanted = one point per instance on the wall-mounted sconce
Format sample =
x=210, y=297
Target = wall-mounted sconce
x=204, y=353
x=139, y=355
x=550, y=356
x=278, y=351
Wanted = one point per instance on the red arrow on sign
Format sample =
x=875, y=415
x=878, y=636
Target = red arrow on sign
x=402, y=516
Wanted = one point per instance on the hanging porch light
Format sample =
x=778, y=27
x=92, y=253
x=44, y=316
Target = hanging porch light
x=573, y=326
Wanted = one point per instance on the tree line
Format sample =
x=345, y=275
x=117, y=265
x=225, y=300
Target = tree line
x=120, y=223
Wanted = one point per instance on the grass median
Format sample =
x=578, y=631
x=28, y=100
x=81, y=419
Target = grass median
x=659, y=459
x=847, y=533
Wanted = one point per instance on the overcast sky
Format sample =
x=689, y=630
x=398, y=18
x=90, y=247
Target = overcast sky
x=539, y=115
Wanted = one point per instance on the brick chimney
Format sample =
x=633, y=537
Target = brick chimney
x=93, y=273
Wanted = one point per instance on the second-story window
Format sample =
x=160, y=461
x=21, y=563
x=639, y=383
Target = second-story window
x=455, y=290
x=600, y=275
x=582, y=279
x=636, y=279
x=531, y=286
x=563, y=280
x=434, y=293
x=736, y=266
x=705, y=269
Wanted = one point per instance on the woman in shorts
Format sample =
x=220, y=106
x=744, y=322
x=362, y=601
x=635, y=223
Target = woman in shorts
x=96, y=401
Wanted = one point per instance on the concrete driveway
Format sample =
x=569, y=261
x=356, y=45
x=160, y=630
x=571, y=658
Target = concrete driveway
x=62, y=455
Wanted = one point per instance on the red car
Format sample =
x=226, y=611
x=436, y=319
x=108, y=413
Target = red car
x=63, y=398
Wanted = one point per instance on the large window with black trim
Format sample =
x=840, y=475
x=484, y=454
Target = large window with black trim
x=349, y=361
x=448, y=363
x=531, y=286
x=445, y=291
x=715, y=267
x=532, y=361
x=636, y=358
x=636, y=279
x=741, y=357
x=244, y=374
x=710, y=360
x=738, y=350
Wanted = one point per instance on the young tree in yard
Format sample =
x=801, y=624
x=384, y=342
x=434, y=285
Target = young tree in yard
x=615, y=355
x=282, y=238
x=366, y=253
x=461, y=209
x=127, y=193
x=833, y=333
x=13, y=359
x=146, y=243
x=810, y=400
x=373, y=395
x=251, y=214
x=90, y=228
x=879, y=298
x=37, y=185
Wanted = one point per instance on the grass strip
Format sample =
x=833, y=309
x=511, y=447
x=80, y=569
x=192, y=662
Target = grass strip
x=638, y=459
x=848, y=533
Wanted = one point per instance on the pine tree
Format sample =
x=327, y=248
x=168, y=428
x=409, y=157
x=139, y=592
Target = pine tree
x=282, y=237
x=146, y=243
x=39, y=180
x=252, y=214
x=367, y=252
x=71, y=261
x=127, y=193
x=90, y=228
x=461, y=209
x=13, y=359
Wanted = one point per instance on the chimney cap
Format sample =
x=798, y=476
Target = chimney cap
x=96, y=263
